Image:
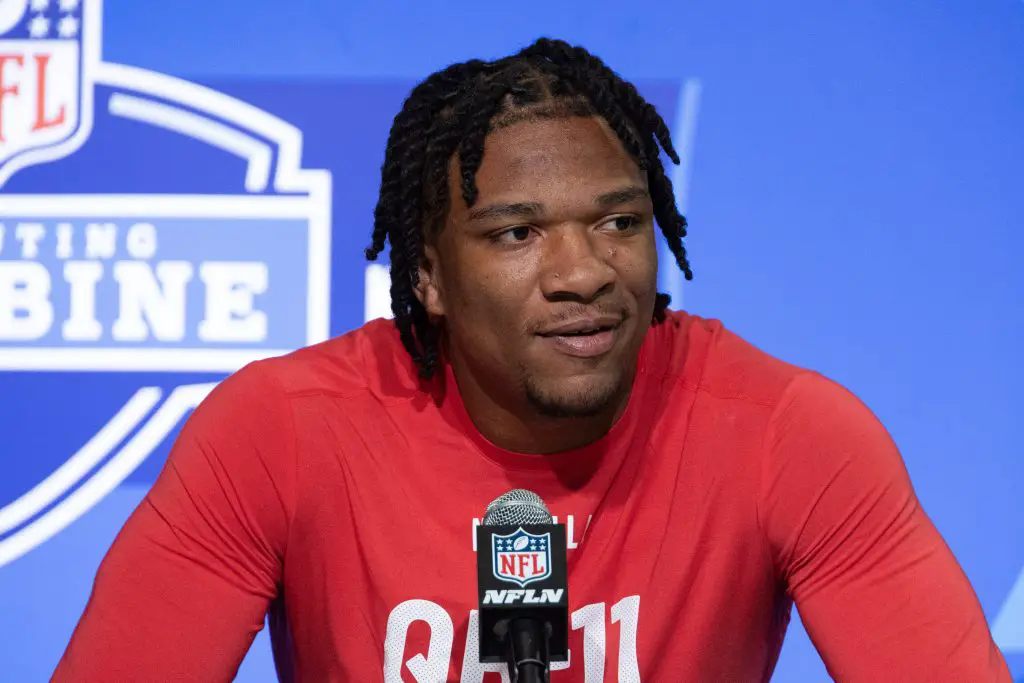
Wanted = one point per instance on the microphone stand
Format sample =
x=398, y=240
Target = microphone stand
x=528, y=654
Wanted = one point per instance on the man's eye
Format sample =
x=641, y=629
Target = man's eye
x=520, y=233
x=624, y=223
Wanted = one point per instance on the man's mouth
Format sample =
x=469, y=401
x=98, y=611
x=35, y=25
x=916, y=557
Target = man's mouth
x=585, y=337
x=583, y=325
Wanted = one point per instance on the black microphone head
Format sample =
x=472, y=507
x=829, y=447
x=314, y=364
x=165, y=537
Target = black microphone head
x=517, y=506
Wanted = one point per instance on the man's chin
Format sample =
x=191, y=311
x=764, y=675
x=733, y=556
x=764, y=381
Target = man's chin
x=577, y=396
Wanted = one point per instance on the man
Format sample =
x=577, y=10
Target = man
x=706, y=485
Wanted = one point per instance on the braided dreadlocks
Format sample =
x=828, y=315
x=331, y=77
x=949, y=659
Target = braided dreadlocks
x=453, y=110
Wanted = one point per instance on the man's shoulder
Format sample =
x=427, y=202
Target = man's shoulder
x=370, y=358
x=721, y=363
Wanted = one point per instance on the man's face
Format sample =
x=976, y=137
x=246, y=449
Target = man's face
x=547, y=284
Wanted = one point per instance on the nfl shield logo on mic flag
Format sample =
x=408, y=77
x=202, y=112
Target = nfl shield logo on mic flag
x=45, y=80
x=522, y=557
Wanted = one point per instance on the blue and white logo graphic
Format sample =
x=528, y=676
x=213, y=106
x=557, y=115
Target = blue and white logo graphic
x=202, y=245
x=521, y=557
x=1008, y=627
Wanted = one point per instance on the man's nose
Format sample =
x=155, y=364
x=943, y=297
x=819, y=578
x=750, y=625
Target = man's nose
x=575, y=269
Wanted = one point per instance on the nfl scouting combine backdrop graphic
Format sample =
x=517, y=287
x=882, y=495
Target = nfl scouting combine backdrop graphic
x=231, y=267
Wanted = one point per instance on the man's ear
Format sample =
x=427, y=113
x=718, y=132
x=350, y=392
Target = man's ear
x=428, y=289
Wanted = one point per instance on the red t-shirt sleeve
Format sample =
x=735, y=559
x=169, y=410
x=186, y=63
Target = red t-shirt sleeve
x=186, y=584
x=879, y=591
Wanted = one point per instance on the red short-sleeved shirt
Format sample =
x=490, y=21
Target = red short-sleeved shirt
x=333, y=486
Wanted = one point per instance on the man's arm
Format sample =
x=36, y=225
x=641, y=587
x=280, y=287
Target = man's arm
x=184, y=589
x=879, y=591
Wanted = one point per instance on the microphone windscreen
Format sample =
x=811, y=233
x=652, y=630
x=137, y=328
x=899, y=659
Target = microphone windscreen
x=517, y=506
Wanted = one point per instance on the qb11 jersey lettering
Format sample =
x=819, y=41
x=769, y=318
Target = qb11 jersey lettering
x=591, y=623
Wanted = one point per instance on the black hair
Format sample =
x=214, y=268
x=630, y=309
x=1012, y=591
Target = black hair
x=453, y=110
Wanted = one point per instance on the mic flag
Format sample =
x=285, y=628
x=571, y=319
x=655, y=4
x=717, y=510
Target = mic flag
x=522, y=579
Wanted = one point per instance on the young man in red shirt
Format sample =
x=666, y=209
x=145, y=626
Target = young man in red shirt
x=706, y=486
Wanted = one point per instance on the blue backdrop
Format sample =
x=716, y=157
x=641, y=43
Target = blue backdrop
x=853, y=174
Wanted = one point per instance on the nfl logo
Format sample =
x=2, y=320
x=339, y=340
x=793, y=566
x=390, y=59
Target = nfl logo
x=48, y=49
x=521, y=557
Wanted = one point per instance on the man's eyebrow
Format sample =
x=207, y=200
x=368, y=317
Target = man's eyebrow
x=518, y=210
x=534, y=209
x=623, y=196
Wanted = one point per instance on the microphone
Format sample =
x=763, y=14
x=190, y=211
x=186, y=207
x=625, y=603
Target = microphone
x=522, y=586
